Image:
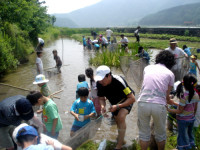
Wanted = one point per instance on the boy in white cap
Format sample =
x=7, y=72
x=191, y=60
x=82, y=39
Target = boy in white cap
x=41, y=81
x=119, y=94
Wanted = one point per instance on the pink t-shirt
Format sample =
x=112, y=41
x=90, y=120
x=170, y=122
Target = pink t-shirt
x=155, y=84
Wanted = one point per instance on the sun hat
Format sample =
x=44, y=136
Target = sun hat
x=14, y=135
x=101, y=72
x=27, y=130
x=193, y=56
x=24, y=108
x=173, y=41
x=40, y=79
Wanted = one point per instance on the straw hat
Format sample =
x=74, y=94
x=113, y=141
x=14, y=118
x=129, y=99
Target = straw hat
x=193, y=56
x=40, y=79
x=172, y=41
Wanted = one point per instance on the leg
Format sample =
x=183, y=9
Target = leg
x=121, y=124
x=6, y=137
x=144, y=116
x=190, y=134
x=159, y=114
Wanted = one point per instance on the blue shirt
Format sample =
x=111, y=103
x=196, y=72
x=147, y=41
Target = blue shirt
x=96, y=45
x=193, y=69
x=82, y=84
x=145, y=55
x=82, y=108
x=39, y=147
x=84, y=42
x=187, y=51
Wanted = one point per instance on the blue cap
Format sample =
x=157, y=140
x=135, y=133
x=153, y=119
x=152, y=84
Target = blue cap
x=24, y=108
x=27, y=130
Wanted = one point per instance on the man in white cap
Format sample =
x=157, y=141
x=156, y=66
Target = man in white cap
x=119, y=94
x=178, y=54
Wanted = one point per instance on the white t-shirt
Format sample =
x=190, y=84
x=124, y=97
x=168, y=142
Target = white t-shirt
x=40, y=65
x=40, y=40
x=155, y=84
x=136, y=32
x=125, y=39
x=177, y=52
x=104, y=40
x=109, y=33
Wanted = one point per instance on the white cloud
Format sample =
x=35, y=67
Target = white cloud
x=65, y=6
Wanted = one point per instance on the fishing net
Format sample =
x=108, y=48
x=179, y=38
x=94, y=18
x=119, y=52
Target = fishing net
x=133, y=70
x=85, y=133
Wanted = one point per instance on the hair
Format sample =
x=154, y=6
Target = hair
x=140, y=49
x=38, y=53
x=54, y=51
x=184, y=46
x=83, y=91
x=122, y=35
x=33, y=97
x=166, y=58
x=195, y=56
x=110, y=73
x=81, y=77
x=188, y=83
x=138, y=27
x=89, y=72
x=25, y=138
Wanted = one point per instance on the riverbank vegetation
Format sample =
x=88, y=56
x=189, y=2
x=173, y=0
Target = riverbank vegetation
x=20, y=24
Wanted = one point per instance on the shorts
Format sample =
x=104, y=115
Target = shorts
x=127, y=108
x=75, y=128
x=158, y=112
x=54, y=137
x=6, y=136
x=108, y=38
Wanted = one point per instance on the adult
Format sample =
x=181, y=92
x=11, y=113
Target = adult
x=178, y=54
x=103, y=41
x=40, y=44
x=119, y=94
x=108, y=34
x=124, y=42
x=94, y=34
x=136, y=33
x=157, y=84
x=12, y=111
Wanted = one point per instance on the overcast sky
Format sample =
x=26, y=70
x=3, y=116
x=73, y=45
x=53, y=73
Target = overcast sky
x=65, y=6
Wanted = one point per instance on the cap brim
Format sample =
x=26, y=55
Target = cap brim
x=98, y=78
x=173, y=42
x=14, y=135
x=27, y=116
x=45, y=81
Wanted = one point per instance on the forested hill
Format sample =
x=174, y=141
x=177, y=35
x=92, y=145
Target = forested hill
x=180, y=15
x=117, y=12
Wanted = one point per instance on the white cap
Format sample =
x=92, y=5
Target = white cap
x=101, y=72
x=14, y=135
x=40, y=79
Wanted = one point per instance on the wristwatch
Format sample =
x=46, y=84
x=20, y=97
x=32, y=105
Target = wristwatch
x=118, y=108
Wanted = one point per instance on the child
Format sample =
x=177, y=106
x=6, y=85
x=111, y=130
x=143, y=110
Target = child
x=143, y=54
x=51, y=117
x=93, y=94
x=41, y=81
x=187, y=50
x=57, y=59
x=185, y=111
x=82, y=83
x=39, y=64
x=82, y=109
x=84, y=42
x=89, y=46
x=194, y=65
x=197, y=114
x=27, y=137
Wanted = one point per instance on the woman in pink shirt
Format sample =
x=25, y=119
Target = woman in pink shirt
x=157, y=84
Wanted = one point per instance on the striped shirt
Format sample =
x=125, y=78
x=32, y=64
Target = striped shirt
x=189, y=107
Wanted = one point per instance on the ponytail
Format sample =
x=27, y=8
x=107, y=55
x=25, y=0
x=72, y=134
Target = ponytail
x=179, y=91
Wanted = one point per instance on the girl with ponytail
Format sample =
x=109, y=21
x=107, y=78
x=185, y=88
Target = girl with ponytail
x=185, y=112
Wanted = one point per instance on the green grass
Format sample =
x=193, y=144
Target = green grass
x=89, y=145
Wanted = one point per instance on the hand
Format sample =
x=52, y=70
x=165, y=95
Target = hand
x=86, y=117
x=103, y=110
x=50, y=142
x=167, y=107
x=76, y=117
x=53, y=133
x=39, y=111
x=113, y=108
x=171, y=102
x=136, y=54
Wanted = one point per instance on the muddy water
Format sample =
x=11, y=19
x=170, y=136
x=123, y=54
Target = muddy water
x=77, y=58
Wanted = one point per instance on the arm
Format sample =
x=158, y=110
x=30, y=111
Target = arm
x=37, y=65
x=88, y=116
x=75, y=115
x=55, y=121
x=169, y=101
x=176, y=111
x=130, y=100
x=197, y=66
x=102, y=103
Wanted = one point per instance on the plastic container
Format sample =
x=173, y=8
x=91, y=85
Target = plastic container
x=102, y=145
x=81, y=118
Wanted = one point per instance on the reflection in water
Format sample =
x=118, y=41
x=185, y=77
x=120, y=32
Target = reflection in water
x=77, y=58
